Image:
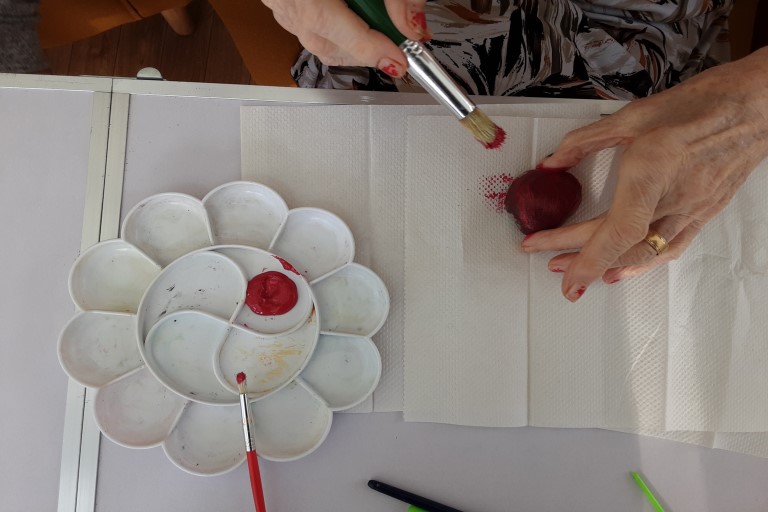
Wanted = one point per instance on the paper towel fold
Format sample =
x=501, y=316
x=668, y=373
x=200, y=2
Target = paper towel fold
x=466, y=289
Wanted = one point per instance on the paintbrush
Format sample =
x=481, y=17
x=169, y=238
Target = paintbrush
x=417, y=502
x=253, y=460
x=423, y=67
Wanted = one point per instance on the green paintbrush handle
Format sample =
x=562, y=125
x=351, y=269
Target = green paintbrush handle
x=374, y=13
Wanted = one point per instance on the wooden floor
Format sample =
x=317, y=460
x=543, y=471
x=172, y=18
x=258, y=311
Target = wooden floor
x=208, y=55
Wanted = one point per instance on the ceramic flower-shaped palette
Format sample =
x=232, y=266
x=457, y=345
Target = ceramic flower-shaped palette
x=196, y=291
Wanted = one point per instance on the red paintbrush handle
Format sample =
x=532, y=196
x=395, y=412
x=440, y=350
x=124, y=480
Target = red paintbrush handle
x=258, y=491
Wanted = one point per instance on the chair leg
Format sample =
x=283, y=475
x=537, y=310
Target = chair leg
x=179, y=20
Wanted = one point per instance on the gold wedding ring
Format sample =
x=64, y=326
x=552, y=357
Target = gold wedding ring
x=655, y=240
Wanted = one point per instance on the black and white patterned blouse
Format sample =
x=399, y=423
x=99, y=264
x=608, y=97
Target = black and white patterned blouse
x=618, y=49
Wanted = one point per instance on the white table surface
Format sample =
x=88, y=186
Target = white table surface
x=44, y=148
x=191, y=145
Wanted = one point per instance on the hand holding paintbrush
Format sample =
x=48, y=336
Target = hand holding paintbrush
x=253, y=461
x=331, y=30
x=423, y=67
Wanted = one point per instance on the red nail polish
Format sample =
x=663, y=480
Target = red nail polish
x=614, y=281
x=527, y=237
x=419, y=21
x=575, y=294
x=556, y=269
x=391, y=70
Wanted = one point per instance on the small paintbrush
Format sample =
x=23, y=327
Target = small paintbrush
x=423, y=67
x=250, y=452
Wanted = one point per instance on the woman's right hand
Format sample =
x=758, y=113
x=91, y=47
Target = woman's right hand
x=687, y=150
x=338, y=37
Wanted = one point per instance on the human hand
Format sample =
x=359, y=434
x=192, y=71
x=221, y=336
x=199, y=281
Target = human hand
x=687, y=151
x=338, y=37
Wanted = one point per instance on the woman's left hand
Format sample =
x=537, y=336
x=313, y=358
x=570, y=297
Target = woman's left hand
x=687, y=151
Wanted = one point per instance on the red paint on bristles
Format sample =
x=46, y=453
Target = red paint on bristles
x=240, y=378
x=498, y=140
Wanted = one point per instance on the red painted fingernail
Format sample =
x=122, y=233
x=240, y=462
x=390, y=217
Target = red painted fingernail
x=615, y=281
x=575, y=292
x=556, y=269
x=390, y=68
x=419, y=22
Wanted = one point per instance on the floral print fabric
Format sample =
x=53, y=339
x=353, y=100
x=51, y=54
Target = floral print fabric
x=617, y=49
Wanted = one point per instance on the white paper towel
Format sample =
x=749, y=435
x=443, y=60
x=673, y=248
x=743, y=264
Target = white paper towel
x=318, y=155
x=718, y=351
x=684, y=364
x=600, y=362
x=749, y=443
x=387, y=180
x=473, y=363
x=466, y=293
x=683, y=348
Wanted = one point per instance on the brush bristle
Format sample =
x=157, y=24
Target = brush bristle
x=241, y=382
x=488, y=133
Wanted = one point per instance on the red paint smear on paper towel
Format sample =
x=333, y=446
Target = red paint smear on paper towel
x=494, y=189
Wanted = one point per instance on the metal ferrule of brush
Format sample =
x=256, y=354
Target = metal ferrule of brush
x=245, y=409
x=423, y=67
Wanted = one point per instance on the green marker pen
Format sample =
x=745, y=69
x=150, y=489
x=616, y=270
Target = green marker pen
x=647, y=491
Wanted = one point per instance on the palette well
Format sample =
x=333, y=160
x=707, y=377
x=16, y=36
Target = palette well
x=164, y=327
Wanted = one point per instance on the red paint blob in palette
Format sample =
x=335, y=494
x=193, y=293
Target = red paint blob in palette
x=271, y=293
x=287, y=266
